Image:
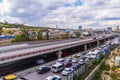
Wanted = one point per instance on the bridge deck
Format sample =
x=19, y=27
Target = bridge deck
x=29, y=52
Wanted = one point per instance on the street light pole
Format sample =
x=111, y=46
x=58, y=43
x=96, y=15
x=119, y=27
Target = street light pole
x=69, y=33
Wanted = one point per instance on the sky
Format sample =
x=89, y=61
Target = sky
x=64, y=13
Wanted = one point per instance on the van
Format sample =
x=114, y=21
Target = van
x=57, y=67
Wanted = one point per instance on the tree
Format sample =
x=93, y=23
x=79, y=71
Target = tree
x=39, y=35
x=47, y=36
x=64, y=36
x=78, y=34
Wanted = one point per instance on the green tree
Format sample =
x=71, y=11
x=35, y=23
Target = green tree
x=78, y=34
x=39, y=35
x=47, y=36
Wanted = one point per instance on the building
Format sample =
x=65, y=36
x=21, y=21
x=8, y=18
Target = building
x=117, y=61
x=109, y=29
x=117, y=29
x=80, y=29
x=4, y=39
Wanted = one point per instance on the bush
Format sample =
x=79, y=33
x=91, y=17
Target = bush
x=97, y=74
x=114, y=68
x=113, y=76
x=107, y=73
x=105, y=67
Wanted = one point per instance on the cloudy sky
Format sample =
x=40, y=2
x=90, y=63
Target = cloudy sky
x=64, y=13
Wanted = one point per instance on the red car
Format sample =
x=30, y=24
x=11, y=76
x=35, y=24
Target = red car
x=82, y=37
x=67, y=64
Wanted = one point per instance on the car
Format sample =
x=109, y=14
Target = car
x=13, y=77
x=78, y=65
x=67, y=71
x=21, y=78
x=74, y=60
x=61, y=60
x=94, y=37
x=79, y=55
x=82, y=37
x=40, y=61
x=81, y=62
x=43, y=69
x=67, y=63
x=87, y=60
x=53, y=77
x=57, y=67
x=74, y=56
x=74, y=67
x=69, y=59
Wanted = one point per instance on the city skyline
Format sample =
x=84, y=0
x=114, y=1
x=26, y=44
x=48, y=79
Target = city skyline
x=72, y=13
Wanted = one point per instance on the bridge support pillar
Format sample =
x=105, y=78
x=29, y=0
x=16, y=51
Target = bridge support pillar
x=59, y=54
x=105, y=40
x=98, y=43
x=85, y=47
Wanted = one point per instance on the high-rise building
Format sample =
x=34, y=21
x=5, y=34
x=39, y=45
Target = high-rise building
x=80, y=29
x=117, y=28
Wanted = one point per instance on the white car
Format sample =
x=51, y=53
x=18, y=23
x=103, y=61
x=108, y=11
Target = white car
x=61, y=60
x=75, y=60
x=53, y=77
x=67, y=71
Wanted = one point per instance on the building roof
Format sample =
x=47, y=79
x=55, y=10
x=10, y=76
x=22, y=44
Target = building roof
x=4, y=37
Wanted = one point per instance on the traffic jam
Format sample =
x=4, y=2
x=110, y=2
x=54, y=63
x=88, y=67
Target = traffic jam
x=63, y=67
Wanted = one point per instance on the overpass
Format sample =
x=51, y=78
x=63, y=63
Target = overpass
x=18, y=57
x=22, y=51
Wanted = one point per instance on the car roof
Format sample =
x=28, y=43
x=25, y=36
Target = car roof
x=57, y=64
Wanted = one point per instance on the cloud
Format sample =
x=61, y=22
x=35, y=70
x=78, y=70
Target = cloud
x=64, y=13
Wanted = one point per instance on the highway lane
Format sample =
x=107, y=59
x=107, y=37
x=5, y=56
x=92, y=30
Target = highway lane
x=31, y=73
x=40, y=48
x=11, y=48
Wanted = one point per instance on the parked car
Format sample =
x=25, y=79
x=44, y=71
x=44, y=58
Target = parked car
x=42, y=69
x=57, y=67
x=74, y=60
x=67, y=63
x=53, y=77
x=67, y=71
x=40, y=61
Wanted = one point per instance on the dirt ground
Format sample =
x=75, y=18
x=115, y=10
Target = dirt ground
x=109, y=61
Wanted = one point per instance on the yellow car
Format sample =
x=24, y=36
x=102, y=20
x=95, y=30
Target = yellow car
x=10, y=77
x=13, y=77
x=74, y=56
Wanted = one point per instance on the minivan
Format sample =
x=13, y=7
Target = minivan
x=57, y=67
